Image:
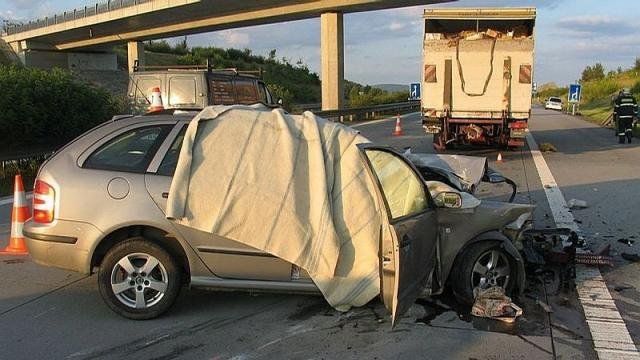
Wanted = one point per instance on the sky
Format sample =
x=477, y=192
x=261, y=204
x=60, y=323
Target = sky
x=385, y=46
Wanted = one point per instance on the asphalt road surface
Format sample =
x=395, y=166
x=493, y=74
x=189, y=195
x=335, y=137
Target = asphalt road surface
x=48, y=313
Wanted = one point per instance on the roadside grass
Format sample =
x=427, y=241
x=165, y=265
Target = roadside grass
x=597, y=110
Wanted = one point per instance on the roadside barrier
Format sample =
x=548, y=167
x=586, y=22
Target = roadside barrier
x=19, y=215
x=398, y=129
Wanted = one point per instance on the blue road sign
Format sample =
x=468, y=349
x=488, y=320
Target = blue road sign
x=414, y=91
x=575, y=91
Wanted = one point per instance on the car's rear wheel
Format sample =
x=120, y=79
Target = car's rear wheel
x=139, y=279
x=483, y=265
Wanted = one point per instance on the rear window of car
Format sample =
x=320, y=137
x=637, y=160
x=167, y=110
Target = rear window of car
x=246, y=92
x=130, y=151
x=222, y=92
x=555, y=99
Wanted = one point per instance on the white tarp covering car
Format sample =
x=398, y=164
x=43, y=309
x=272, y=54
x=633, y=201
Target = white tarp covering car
x=298, y=187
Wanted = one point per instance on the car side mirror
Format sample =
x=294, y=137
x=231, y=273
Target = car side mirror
x=448, y=199
x=493, y=177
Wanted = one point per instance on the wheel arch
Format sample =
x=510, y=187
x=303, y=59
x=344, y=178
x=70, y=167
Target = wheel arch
x=159, y=236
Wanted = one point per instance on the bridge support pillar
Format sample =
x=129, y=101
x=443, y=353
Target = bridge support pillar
x=332, y=58
x=135, y=51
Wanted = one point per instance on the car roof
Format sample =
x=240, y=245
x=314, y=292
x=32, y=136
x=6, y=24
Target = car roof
x=169, y=114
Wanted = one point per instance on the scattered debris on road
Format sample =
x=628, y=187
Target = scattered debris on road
x=547, y=147
x=620, y=288
x=546, y=307
x=576, y=204
x=493, y=303
x=630, y=257
x=626, y=241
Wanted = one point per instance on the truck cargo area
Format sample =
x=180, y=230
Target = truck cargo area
x=477, y=75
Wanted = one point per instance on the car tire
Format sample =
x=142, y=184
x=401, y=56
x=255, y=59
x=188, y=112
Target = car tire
x=468, y=268
x=138, y=279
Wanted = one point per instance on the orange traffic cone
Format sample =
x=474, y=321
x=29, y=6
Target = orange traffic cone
x=156, y=100
x=19, y=215
x=398, y=129
x=499, y=158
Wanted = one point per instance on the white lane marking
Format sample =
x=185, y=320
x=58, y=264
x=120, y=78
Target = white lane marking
x=381, y=120
x=9, y=199
x=610, y=335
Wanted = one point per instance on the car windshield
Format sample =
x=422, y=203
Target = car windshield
x=555, y=100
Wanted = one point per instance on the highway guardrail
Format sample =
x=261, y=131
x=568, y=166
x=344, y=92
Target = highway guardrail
x=369, y=112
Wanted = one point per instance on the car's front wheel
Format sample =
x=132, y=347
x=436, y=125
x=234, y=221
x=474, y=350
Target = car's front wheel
x=139, y=279
x=483, y=265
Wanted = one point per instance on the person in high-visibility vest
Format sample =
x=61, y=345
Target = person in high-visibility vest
x=624, y=109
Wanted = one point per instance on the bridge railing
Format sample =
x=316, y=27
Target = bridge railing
x=11, y=28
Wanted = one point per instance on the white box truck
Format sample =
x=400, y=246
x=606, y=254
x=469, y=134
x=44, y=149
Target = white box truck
x=477, y=75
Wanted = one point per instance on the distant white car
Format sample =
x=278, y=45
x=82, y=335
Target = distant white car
x=554, y=103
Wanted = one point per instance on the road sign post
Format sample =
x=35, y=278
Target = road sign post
x=414, y=91
x=575, y=92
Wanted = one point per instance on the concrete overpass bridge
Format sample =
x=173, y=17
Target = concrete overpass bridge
x=84, y=37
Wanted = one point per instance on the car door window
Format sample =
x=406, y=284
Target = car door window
x=402, y=189
x=130, y=151
x=168, y=165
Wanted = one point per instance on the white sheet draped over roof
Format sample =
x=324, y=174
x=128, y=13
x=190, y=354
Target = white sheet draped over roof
x=292, y=186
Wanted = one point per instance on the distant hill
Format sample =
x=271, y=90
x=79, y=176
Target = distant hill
x=391, y=87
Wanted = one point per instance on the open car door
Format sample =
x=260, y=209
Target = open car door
x=409, y=237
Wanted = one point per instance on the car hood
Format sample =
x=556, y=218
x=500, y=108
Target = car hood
x=464, y=172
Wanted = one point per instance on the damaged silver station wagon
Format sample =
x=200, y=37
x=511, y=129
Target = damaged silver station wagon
x=101, y=203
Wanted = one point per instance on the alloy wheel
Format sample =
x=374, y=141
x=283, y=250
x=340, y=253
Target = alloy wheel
x=491, y=269
x=139, y=280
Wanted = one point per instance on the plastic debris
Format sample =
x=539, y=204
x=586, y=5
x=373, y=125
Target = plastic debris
x=626, y=241
x=544, y=306
x=547, y=147
x=576, y=204
x=494, y=304
x=620, y=288
x=630, y=257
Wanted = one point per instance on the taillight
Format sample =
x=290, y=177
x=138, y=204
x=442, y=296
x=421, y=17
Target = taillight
x=518, y=125
x=43, y=202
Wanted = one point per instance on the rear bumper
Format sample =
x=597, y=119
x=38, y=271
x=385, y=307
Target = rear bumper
x=62, y=244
